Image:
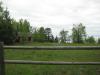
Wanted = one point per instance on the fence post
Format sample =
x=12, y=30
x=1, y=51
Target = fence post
x=2, y=65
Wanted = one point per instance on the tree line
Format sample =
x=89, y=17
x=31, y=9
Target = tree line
x=12, y=31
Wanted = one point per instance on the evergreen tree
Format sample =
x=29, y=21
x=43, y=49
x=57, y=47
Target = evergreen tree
x=48, y=33
x=7, y=32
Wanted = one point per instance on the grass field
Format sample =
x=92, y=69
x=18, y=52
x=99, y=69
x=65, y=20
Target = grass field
x=76, y=55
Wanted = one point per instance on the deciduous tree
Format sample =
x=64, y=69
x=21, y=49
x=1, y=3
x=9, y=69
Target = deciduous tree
x=78, y=33
x=63, y=35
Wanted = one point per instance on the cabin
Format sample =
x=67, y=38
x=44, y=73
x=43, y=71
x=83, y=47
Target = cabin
x=20, y=37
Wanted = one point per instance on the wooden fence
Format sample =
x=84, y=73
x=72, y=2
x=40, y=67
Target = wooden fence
x=3, y=62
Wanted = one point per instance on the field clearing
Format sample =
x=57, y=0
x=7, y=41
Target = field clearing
x=69, y=55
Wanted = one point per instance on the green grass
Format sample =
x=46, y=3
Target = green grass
x=70, y=55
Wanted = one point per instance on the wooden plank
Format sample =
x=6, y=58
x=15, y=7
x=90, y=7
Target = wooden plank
x=53, y=47
x=2, y=65
x=49, y=62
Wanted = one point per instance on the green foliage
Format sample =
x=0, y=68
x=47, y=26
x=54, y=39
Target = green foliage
x=63, y=36
x=23, y=29
x=78, y=33
x=24, y=26
x=7, y=32
x=39, y=35
x=91, y=40
x=48, y=33
x=98, y=40
x=43, y=35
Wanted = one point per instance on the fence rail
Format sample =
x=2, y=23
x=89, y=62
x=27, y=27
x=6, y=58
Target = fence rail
x=49, y=62
x=3, y=62
x=53, y=47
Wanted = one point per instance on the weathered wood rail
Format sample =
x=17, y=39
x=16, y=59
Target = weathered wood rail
x=49, y=62
x=3, y=62
x=53, y=47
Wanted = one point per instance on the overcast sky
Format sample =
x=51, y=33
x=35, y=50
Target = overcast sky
x=58, y=14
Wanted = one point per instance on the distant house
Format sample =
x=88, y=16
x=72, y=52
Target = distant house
x=27, y=37
x=69, y=39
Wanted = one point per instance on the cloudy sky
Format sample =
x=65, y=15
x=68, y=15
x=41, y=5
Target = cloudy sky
x=58, y=14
